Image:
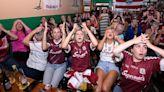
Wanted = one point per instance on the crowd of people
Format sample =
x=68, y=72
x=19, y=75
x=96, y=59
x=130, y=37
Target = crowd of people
x=108, y=50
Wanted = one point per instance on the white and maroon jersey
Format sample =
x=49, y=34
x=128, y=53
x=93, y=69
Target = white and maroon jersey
x=56, y=53
x=136, y=75
x=80, y=56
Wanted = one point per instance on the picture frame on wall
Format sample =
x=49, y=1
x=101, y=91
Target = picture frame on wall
x=87, y=2
x=87, y=8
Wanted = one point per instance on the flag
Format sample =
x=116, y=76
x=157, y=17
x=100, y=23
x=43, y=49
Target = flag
x=128, y=4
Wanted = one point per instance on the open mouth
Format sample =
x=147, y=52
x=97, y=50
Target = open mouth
x=79, y=38
x=141, y=54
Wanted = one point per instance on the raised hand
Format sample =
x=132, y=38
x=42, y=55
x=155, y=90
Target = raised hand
x=38, y=29
x=63, y=26
x=46, y=27
x=75, y=27
x=18, y=21
x=141, y=39
x=84, y=25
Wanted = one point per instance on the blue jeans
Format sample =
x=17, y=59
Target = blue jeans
x=117, y=89
x=107, y=66
x=54, y=73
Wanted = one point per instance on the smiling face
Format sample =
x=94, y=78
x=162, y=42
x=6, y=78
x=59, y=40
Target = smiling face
x=79, y=36
x=139, y=51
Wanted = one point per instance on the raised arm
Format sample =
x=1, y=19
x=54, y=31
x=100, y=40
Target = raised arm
x=14, y=25
x=68, y=38
x=122, y=18
x=45, y=45
x=158, y=17
x=155, y=48
x=12, y=36
x=28, y=38
x=63, y=32
x=91, y=36
x=141, y=39
x=101, y=43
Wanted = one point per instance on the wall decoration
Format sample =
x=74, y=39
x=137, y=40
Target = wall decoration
x=86, y=2
x=51, y=4
x=38, y=7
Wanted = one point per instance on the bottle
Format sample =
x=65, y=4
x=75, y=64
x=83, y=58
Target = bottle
x=6, y=83
x=23, y=78
x=17, y=75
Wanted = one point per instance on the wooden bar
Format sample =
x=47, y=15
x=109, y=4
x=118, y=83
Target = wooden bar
x=38, y=88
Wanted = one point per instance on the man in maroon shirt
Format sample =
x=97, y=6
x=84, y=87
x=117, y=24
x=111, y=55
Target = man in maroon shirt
x=136, y=67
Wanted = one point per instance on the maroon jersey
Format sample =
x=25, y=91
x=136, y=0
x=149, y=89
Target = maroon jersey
x=80, y=56
x=56, y=54
x=3, y=48
x=136, y=75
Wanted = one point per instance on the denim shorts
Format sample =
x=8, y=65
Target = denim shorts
x=107, y=66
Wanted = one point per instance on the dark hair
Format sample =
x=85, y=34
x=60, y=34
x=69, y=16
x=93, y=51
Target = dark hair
x=2, y=34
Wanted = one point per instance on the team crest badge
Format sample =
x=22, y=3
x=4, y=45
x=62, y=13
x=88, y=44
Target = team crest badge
x=84, y=48
x=142, y=71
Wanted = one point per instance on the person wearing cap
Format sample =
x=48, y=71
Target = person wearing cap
x=137, y=68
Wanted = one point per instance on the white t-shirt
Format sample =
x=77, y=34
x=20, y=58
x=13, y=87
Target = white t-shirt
x=107, y=52
x=37, y=57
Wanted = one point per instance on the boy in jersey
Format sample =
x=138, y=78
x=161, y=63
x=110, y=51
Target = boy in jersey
x=136, y=67
x=80, y=50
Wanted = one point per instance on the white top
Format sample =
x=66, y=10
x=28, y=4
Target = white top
x=37, y=57
x=107, y=52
